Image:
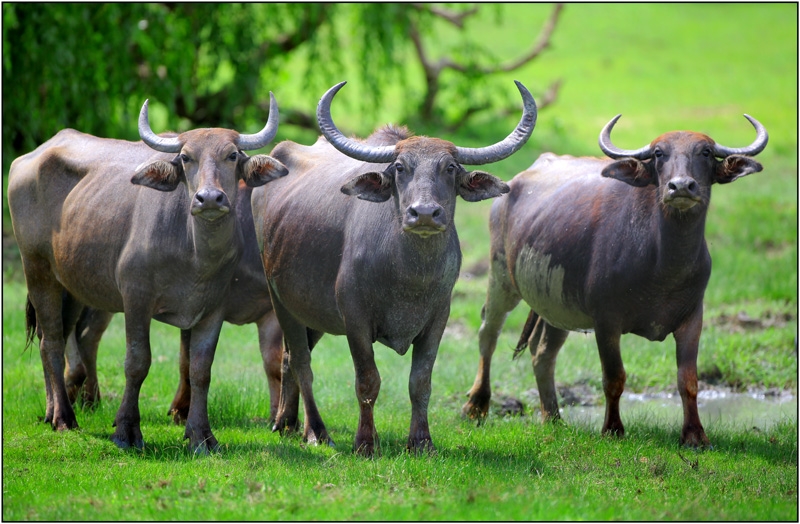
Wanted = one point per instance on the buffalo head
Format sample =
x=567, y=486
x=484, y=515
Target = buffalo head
x=424, y=174
x=682, y=164
x=210, y=162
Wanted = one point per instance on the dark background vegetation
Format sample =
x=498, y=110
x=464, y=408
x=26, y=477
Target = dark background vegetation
x=90, y=66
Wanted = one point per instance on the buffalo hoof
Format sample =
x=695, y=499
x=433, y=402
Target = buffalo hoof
x=695, y=439
x=617, y=432
x=315, y=440
x=179, y=415
x=89, y=400
x=62, y=421
x=422, y=446
x=367, y=445
x=73, y=390
x=475, y=410
x=366, y=449
x=286, y=425
x=126, y=439
x=202, y=442
x=206, y=447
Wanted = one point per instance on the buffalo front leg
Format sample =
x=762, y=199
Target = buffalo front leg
x=128, y=432
x=687, y=340
x=368, y=386
x=179, y=409
x=545, y=343
x=203, y=344
x=613, y=378
x=423, y=358
x=500, y=300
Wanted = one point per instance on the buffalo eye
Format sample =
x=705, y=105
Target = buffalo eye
x=451, y=169
x=398, y=167
x=185, y=158
x=658, y=153
x=233, y=156
x=706, y=152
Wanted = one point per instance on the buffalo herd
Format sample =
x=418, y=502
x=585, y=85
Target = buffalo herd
x=357, y=238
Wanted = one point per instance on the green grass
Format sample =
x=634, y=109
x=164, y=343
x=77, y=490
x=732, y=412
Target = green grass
x=664, y=66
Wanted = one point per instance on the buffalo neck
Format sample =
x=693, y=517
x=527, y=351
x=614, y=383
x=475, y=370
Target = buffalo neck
x=216, y=244
x=681, y=243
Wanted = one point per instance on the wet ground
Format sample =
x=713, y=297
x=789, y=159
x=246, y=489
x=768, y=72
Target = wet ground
x=583, y=405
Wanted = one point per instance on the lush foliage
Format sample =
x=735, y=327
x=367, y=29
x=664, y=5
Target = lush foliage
x=664, y=66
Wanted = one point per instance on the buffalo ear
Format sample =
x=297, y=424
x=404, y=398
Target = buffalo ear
x=735, y=166
x=160, y=175
x=259, y=169
x=630, y=171
x=375, y=187
x=475, y=186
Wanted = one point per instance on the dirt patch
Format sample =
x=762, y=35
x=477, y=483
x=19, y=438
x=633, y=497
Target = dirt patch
x=742, y=322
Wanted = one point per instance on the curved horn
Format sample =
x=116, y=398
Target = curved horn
x=265, y=136
x=165, y=145
x=613, y=151
x=753, y=149
x=510, y=144
x=351, y=148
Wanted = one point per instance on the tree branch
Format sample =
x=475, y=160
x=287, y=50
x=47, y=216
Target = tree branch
x=457, y=19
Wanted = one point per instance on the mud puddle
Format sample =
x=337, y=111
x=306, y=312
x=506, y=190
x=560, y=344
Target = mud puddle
x=755, y=409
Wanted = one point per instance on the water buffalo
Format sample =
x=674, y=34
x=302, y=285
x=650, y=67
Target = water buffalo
x=378, y=267
x=611, y=246
x=247, y=301
x=93, y=232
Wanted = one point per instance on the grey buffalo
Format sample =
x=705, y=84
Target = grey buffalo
x=247, y=301
x=359, y=240
x=615, y=246
x=160, y=241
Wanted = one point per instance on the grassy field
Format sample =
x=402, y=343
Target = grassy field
x=664, y=67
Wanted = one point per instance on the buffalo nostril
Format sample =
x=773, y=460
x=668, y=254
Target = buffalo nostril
x=413, y=212
x=437, y=213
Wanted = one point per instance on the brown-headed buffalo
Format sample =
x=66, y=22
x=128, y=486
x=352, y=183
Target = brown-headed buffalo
x=378, y=267
x=93, y=232
x=247, y=301
x=611, y=246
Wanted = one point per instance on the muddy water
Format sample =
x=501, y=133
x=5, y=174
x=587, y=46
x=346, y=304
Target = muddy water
x=760, y=409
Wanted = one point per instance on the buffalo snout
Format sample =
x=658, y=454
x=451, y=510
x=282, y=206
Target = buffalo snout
x=210, y=203
x=425, y=219
x=682, y=193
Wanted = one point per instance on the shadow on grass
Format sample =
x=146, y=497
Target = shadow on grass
x=776, y=445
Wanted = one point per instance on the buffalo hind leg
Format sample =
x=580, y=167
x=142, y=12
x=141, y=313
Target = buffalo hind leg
x=296, y=337
x=49, y=308
x=270, y=342
x=289, y=399
x=81, y=352
x=613, y=379
x=544, y=342
x=687, y=339
x=179, y=409
x=500, y=300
